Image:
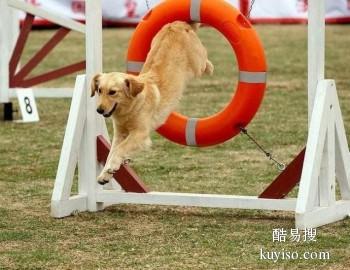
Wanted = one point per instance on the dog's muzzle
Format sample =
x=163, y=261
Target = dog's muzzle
x=111, y=111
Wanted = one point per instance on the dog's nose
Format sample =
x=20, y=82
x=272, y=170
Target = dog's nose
x=100, y=110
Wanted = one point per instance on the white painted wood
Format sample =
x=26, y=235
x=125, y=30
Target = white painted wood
x=314, y=149
x=88, y=167
x=9, y=29
x=71, y=142
x=327, y=144
x=64, y=208
x=48, y=15
x=316, y=48
x=5, y=44
x=342, y=158
x=331, y=152
x=14, y=23
x=326, y=183
x=200, y=200
x=46, y=92
x=327, y=171
x=323, y=215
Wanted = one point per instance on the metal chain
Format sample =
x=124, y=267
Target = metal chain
x=250, y=8
x=147, y=4
x=280, y=166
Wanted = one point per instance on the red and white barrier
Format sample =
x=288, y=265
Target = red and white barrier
x=16, y=75
x=126, y=12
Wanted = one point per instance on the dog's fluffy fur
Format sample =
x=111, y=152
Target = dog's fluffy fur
x=140, y=104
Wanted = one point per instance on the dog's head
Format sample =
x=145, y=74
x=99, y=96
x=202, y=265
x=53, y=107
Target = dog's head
x=114, y=91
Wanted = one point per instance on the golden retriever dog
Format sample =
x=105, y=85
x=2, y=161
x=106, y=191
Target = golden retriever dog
x=140, y=104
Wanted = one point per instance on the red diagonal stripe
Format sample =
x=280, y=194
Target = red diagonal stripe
x=40, y=55
x=21, y=41
x=125, y=176
x=48, y=76
x=286, y=181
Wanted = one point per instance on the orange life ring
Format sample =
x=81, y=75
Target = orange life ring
x=250, y=58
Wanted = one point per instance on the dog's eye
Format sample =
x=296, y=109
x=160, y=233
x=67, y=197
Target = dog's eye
x=112, y=92
x=99, y=90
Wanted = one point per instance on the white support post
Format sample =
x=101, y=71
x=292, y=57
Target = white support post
x=316, y=48
x=5, y=48
x=14, y=22
x=84, y=125
x=87, y=164
x=327, y=149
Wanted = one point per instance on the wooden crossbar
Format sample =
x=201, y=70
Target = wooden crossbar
x=48, y=15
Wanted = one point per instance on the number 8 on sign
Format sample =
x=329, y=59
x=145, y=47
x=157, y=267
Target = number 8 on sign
x=29, y=108
x=27, y=105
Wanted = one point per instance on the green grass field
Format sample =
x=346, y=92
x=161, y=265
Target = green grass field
x=155, y=237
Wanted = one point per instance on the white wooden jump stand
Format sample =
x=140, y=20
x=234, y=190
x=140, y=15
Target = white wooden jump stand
x=12, y=43
x=326, y=156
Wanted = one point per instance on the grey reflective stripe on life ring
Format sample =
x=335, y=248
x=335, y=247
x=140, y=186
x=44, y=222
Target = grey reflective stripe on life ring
x=191, y=132
x=252, y=77
x=195, y=10
x=134, y=66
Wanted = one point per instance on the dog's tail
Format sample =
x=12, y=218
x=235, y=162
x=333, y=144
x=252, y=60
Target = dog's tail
x=195, y=26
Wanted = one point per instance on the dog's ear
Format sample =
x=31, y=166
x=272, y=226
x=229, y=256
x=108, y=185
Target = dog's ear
x=94, y=83
x=133, y=87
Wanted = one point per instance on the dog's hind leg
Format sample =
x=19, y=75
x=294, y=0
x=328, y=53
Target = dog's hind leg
x=209, y=68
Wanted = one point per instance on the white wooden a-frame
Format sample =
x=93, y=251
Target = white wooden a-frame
x=83, y=126
x=76, y=150
x=326, y=159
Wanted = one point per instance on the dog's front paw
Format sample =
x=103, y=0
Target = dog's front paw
x=105, y=177
x=108, y=172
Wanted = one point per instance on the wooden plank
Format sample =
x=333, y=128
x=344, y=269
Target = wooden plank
x=314, y=149
x=48, y=76
x=342, y=157
x=47, y=92
x=4, y=48
x=9, y=29
x=125, y=176
x=71, y=143
x=48, y=15
x=64, y=208
x=197, y=200
x=316, y=49
x=327, y=172
x=287, y=180
x=323, y=215
x=22, y=39
x=88, y=165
